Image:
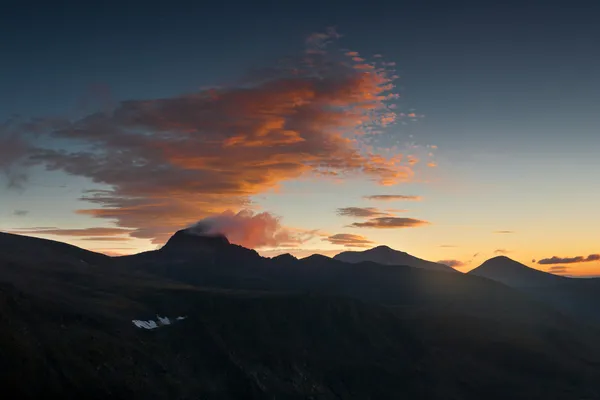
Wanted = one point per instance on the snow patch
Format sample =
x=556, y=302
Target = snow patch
x=151, y=324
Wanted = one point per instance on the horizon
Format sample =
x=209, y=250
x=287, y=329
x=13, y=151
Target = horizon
x=327, y=137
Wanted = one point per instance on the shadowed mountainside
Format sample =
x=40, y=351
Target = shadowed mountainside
x=260, y=328
x=577, y=297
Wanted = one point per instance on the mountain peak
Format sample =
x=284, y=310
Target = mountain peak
x=189, y=241
x=513, y=273
x=388, y=256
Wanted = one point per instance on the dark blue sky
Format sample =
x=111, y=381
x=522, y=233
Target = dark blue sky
x=469, y=67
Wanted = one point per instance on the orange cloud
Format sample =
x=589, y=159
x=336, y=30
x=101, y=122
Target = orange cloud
x=349, y=240
x=252, y=230
x=171, y=161
x=390, y=223
x=504, y=232
x=392, y=197
x=501, y=251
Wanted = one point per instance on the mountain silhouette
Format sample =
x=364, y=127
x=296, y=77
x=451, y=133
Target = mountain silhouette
x=388, y=256
x=510, y=272
x=260, y=328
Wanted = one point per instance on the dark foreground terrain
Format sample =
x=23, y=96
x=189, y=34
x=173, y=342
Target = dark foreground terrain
x=280, y=328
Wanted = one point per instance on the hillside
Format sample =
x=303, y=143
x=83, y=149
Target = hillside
x=262, y=329
x=388, y=256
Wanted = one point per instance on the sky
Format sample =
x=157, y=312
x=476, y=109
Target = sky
x=454, y=131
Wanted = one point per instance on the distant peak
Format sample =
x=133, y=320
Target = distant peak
x=386, y=249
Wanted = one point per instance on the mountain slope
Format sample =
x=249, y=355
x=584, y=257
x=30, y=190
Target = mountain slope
x=388, y=256
x=258, y=328
x=510, y=272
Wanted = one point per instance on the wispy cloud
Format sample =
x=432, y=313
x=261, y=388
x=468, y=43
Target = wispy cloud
x=20, y=213
x=501, y=251
x=504, y=232
x=447, y=245
x=349, y=240
x=390, y=223
x=569, y=260
x=99, y=232
x=171, y=161
x=452, y=263
x=361, y=212
x=558, y=269
x=393, y=197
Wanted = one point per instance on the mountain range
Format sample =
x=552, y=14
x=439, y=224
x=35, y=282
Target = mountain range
x=282, y=327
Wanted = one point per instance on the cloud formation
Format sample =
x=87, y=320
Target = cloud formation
x=504, y=232
x=252, y=230
x=361, y=212
x=20, y=213
x=569, y=260
x=452, y=263
x=390, y=223
x=349, y=240
x=171, y=161
x=393, y=197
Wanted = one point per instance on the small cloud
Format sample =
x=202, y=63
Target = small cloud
x=501, y=251
x=432, y=164
x=20, y=213
x=558, y=269
x=390, y=223
x=349, y=240
x=452, y=263
x=392, y=197
x=447, y=245
x=360, y=212
x=569, y=260
x=475, y=255
x=504, y=232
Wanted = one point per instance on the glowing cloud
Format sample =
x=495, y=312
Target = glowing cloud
x=252, y=230
x=170, y=161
